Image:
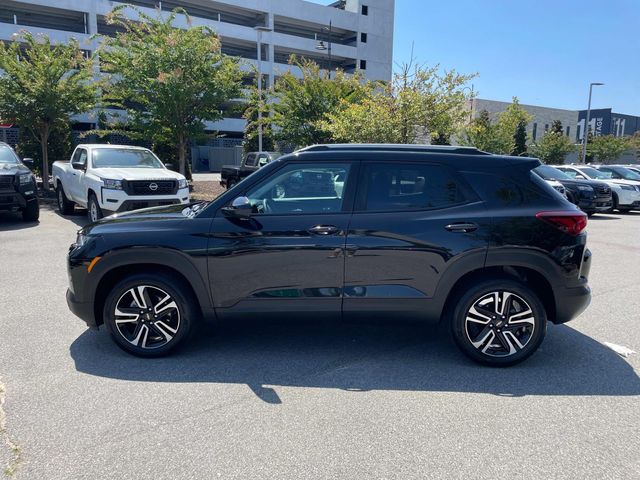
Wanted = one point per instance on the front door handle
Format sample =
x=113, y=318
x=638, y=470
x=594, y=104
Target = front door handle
x=323, y=229
x=462, y=227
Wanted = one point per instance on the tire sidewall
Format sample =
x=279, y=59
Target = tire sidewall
x=473, y=294
x=31, y=213
x=94, y=201
x=178, y=292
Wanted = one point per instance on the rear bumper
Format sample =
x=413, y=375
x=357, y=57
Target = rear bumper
x=571, y=302
x=83, y=310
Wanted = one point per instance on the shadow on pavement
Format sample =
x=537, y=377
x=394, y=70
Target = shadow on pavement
x=13, y=221
x=361, y=358
x=601, y=216
x=79, y=215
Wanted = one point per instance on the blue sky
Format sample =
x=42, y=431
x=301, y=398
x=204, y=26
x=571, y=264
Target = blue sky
x=545, y=52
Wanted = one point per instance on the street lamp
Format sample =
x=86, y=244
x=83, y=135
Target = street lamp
x=585, y=134
x=259, y=30
x=471, y=96
x=321, y=45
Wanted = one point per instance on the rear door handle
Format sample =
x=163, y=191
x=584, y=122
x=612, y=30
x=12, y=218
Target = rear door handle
x=323, y=229
x=462, y=227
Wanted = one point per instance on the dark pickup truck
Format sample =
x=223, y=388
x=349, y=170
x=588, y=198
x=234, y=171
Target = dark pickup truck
x=232, y=174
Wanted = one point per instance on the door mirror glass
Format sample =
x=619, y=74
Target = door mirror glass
x=240, y=207
x=169, y=166
x=580, y=176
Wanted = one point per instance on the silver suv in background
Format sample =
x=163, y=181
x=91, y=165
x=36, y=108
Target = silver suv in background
x=626, y=193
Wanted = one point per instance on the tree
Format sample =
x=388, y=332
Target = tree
x=59, y=146
x=553, y=147
x=300, y=105
x=520, y=139
x=556, y=127
x=42, y=85
x=251, y=132
x=420, y=103
x=169, y=80
x=483, y=134
x=607, y=148
x=508, y=124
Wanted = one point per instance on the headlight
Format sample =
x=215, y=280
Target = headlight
x=182, y=183
x=81, y=239
x=585, y=188
x=26, y=178
x=112, y=184
x=627, y=187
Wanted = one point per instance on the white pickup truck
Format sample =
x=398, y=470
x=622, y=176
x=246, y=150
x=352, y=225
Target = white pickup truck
x=115, y=178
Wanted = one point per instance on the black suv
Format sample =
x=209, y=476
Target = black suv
x=18, y=190
x=433, y=233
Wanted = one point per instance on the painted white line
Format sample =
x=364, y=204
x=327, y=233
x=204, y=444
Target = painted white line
x=619, y=349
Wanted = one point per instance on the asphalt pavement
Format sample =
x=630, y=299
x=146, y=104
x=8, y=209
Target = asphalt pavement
x=306, y=400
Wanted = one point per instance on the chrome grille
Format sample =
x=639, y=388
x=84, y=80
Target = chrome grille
x=6, y=182
x=151, y=187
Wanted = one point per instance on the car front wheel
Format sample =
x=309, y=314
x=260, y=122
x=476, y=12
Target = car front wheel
x=93, y=209
x=149, y=315
x=499, y=322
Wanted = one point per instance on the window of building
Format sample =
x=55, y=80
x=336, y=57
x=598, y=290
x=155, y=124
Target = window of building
x=534, y=133
x=363, y=37
x=578, y=133
x=397, y=187
x=546, y=127
x=363, y=64
x=568, y=130
x=365, y=10
x=301, y=189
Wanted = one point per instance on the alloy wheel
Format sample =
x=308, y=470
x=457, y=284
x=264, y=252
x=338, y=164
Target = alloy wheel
x=60, y=199
x=147, y=317
x=500, y=324
x=93, y=211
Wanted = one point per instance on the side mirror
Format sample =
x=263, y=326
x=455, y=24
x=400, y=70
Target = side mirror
x=28, y=162
x=169, y=166
x=240, y=207
x=78, y=166
x=581, y=177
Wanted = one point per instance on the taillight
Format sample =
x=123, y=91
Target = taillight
x=568, y=221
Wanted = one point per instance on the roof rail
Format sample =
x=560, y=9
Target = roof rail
x=394, y=147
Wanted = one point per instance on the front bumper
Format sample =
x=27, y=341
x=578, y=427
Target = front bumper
x=628, y=199
x=120, y=201
x=12, y=200
x=83, y=310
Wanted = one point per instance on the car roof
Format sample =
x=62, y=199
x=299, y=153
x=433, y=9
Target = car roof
x=108, y=145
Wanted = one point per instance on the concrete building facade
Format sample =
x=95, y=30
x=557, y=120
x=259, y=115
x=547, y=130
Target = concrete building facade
x=361, y=32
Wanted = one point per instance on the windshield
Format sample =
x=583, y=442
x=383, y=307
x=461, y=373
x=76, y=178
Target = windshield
x=628, y=174
x=124, y=158
x=594, y=173
x=7, y=155
x=550, y=173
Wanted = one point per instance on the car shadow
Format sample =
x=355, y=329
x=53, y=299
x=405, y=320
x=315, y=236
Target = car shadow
x=79, y=215
x=357, y=357
x=603, y=216
x=13, y=221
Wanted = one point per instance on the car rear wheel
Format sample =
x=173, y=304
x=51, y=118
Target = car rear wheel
x=93, y=209
x=499, y=322
x=149, y=315
x=64, y=205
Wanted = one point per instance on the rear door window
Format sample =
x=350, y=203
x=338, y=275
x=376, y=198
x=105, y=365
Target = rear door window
x=410, y=186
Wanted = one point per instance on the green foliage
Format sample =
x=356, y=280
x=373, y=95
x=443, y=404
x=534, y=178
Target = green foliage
x=169, y=80
x=42, y=85
x=520, y=139
x=500, y=136
x=553, y=147
x=556, y=127
x=604, y=148
x=253, y=106
x=420, y=102
x=59, y=145
x=301, y=106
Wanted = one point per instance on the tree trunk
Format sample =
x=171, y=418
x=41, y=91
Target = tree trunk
x=182, y=154
x=44, y=144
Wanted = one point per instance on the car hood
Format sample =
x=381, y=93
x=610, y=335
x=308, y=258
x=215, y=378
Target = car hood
x=12, y=168
x=574, y=183
x=114, y=173
x=620, y=181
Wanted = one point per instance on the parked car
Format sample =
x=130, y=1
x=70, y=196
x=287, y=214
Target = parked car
x=107, y=179
x=590, y=196
x=633, y=168
x=232, y=174
x=556, y=185
x=432, y=233
x=18, y=190
x=625, y=194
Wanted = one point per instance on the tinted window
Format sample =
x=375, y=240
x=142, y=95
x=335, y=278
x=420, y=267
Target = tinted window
x=410, y=187
x=7, y=155
x=301, y=189
x=250, y=160
x=80, y=157
x=550, y=173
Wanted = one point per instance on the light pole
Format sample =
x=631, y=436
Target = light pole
x=471, y=96
x=322, y=46
x=585, y=134
x=259, y=30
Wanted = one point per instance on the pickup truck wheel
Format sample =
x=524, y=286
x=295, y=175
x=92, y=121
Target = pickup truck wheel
x=65, y=206
x=31, y=213
x=149, y=315
x=93, y=209
x=499, y=322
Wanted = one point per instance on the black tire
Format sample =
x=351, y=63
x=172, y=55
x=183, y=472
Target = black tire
x=231, y=184
x=31, y=213
x=486, y=342
x=150, y=334
x=65, y=206
x=590, y=214
x=94, y=212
